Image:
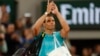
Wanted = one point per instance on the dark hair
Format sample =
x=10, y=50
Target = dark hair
x=50, y=1
x=49, y=15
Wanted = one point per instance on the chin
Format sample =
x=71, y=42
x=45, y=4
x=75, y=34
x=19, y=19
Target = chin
x=52, y=28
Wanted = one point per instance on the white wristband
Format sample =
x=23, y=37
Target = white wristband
x=46, y=13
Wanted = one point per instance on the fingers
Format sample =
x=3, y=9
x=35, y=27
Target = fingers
x=48, y=2
x=48, y=7
x=51, y=6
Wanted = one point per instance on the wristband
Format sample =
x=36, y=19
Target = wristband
x=46, y=13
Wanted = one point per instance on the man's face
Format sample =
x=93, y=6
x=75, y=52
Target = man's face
x=49, y=23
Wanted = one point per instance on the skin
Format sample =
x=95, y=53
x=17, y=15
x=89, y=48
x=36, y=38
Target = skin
x=49, y=25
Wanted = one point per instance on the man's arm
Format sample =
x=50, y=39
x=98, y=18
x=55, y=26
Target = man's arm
x=37, y=26
x=65, y=27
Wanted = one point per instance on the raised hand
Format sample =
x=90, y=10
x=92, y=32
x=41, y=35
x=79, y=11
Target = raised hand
x=54, y=8
x=49, y=7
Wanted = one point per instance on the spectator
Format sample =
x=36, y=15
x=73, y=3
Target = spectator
x=86, y=52
x=73, y=51
x=3, y=8
x=5, y=19
x=11, y=41
x=27, y=37
x=96, y=50
x=27, y=18
x=19, y=26
x=5, y=15
x=3, y=44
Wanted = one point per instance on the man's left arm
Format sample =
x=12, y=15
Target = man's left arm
x=65, y=27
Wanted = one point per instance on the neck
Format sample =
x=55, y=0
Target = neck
x=49, y=31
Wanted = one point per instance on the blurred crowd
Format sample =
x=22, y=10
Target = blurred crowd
x=19, y=34
x=86, y=51
x=14, y=35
